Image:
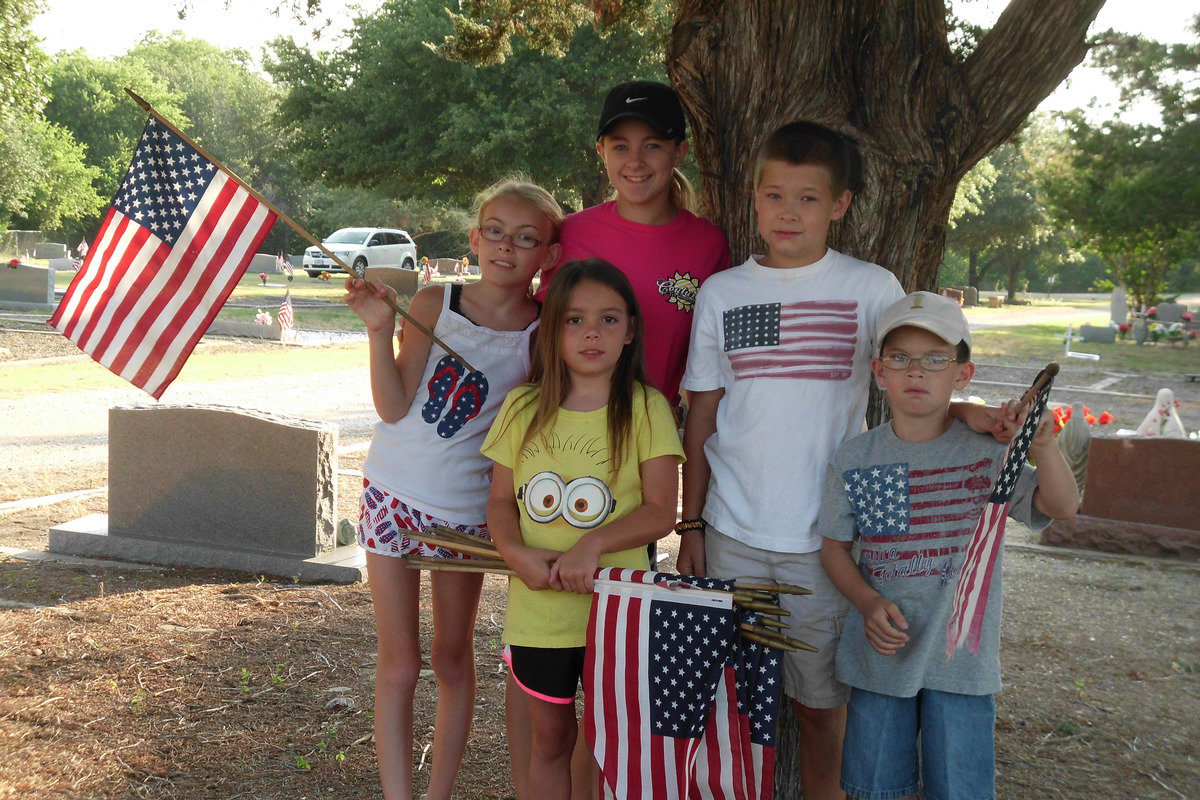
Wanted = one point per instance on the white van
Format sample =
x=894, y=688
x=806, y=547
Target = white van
x=362, y=248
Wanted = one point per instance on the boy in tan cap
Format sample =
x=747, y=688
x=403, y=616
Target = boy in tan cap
x=912, y=492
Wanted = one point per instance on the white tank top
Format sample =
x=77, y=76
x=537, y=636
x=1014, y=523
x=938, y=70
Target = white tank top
x=430, y=457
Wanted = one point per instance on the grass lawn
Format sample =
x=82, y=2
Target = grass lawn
x=1042, y=342
x=205, y=364
x=332, y=318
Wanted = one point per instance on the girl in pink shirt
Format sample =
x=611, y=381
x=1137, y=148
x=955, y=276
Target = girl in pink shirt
x=647, y=231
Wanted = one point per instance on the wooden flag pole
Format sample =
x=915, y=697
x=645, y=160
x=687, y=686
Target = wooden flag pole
x=288, y=220
x=1046, y=375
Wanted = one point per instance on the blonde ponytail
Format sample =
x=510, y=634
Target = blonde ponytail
x=682, y=194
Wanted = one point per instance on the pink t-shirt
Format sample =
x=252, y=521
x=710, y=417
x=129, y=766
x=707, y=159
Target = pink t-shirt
x=666, y=265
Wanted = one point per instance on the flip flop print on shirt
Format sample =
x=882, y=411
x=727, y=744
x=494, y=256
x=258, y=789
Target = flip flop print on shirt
x=468, y=401
x=465, y=399
x=441, y=386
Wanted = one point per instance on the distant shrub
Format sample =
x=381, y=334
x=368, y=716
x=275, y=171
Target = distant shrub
x=1103, y=286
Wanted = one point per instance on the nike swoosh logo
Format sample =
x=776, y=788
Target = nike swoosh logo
x=633, y=99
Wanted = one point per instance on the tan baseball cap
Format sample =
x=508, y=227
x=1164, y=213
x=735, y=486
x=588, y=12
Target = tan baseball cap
x=939, y=315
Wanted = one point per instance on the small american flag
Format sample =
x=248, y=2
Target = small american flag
x=676, y=703
x=287, y=314
x=172, y=247
x=975, y=580
x=806, y=340
x=915, y=522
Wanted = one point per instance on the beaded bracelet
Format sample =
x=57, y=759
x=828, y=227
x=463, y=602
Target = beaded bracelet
x=689, y=525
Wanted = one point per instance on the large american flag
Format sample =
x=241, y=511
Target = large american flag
x=915, y=522
x=677, y=705
x=975, y=580
x=172, y=247
x=805, y=340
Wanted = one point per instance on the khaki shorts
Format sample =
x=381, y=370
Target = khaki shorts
x=816, y=618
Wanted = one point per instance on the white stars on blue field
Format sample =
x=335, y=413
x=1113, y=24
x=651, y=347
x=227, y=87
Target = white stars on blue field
x=164, y=183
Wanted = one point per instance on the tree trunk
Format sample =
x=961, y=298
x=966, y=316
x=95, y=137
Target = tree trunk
x=1012, y=274
x=972, y=261
x=884, y=73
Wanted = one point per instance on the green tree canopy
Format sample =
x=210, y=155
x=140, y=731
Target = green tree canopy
x=45, y=178
x=22, y=62
x=87, y=98
x=1133, y=191
x=1008, y=229
x=387, y=111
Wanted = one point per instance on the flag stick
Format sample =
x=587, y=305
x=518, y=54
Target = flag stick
x=1046, y=375
x=288, y=220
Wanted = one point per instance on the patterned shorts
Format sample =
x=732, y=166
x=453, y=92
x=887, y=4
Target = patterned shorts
x=383, y=520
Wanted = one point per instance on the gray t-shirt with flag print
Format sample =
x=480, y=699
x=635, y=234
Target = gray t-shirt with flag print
x=914, y=507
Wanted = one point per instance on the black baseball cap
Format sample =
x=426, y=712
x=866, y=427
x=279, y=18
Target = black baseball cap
x=655, y=104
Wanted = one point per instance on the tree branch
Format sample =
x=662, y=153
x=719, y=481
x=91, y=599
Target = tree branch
x=1031, y=50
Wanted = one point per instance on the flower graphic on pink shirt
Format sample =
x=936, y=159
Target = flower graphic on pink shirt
x=680, y=289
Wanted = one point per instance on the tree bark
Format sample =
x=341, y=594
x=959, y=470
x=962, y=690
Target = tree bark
x=884, y=73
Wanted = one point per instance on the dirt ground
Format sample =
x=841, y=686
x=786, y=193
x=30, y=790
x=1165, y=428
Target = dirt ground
x=117, y=682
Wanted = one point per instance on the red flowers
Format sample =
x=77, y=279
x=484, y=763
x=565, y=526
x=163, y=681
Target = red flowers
x=1063, y=413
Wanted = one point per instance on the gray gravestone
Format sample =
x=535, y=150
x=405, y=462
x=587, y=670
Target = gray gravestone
x=1170, y=312
x=26, y=287
x=1097, y=333
x=218, y=487
x=49, y=250
x=970, y=296
x=1119, y=306
x=263, y=262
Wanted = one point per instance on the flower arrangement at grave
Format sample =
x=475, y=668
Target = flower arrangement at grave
x=1152, y=312
x=1186, y=316
x=1173, y=333
x=1063, y=413
x=1122, y=330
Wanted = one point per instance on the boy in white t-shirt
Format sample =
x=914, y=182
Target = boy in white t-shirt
x=778, y=374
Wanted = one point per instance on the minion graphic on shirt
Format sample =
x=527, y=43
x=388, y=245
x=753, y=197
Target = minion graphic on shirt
x=584, y=502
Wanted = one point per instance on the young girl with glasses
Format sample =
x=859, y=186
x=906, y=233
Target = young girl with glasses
x=424, y=466
x=586, y=474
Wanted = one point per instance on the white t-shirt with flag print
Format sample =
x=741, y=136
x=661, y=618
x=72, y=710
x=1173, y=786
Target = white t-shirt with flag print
x=792, y=350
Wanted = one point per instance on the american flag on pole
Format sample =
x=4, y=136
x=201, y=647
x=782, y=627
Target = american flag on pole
x=975, y=579
x=172, y=247
x=677, y=705
x=805, y=340
x=287, y=314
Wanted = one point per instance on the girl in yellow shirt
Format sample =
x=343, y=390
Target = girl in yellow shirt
x=585, y=476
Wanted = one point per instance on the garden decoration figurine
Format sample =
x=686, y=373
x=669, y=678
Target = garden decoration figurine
x=1163, y=419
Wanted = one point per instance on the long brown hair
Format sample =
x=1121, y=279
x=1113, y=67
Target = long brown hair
x=549, y=377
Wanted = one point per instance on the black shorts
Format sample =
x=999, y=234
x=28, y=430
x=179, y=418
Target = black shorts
x=547, y=673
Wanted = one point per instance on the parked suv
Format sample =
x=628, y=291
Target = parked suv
x=362, y=248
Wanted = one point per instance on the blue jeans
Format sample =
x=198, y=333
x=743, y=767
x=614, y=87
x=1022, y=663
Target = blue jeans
x=956, y=759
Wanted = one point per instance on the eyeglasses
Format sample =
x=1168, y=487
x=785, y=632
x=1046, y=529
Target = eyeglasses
x=934, y=362
x=521, y=240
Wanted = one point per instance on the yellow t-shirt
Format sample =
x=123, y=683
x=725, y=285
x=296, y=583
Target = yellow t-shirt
x=564, y=489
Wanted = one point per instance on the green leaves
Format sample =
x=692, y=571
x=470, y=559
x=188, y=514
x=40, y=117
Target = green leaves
x=390, y=113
